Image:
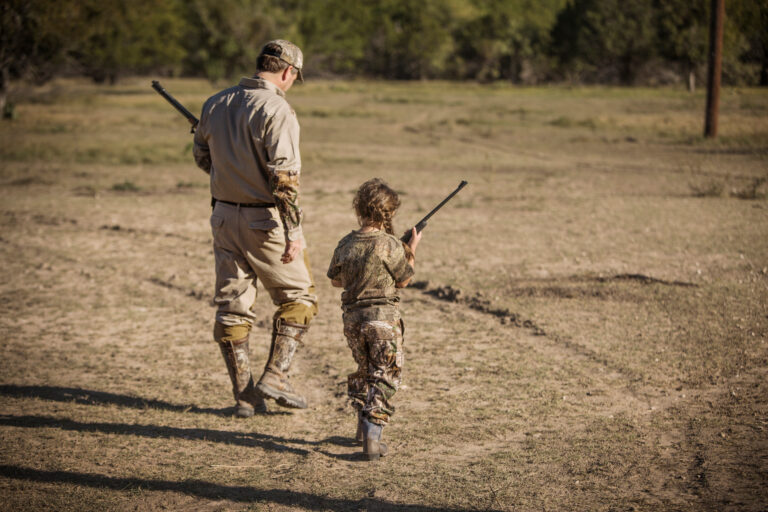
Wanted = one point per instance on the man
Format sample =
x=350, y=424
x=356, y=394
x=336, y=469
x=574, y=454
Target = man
x=248, y=141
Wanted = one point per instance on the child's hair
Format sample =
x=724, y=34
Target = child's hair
x=376, y=202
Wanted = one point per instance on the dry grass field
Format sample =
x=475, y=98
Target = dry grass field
x=587, y=331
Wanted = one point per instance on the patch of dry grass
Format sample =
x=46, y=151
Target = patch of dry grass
x=607, y=349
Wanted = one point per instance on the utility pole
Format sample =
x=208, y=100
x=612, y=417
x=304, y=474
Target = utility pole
x=717, y=15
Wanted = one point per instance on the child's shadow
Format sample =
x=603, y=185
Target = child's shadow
x=346, y=442
x=341, y=441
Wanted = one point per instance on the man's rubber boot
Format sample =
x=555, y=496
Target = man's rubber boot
x=373, y=448
x=286, y=337
x=247, y=400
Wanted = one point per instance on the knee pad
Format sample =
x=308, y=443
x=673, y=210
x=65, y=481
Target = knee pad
x=224, y=333
x=296, y=312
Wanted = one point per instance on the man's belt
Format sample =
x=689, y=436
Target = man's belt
x=242, y=205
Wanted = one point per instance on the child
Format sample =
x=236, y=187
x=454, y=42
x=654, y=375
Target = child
x=370, y=264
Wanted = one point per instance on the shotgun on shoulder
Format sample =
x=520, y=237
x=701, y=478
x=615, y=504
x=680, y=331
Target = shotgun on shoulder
x=423, y=222
x=178, y=106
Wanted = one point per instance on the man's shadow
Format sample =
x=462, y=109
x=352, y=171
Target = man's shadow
x=251, y=439
x=91, y=397
x=213, y=491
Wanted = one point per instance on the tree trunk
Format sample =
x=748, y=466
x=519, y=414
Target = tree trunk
x=691, y=81
x=626, y=70
x=4, y=77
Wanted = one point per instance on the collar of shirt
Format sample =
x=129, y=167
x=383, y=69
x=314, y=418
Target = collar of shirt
x=260, y=83
x=369, y=234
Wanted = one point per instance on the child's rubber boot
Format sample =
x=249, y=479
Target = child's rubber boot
x=373, y=448
x=359, y=433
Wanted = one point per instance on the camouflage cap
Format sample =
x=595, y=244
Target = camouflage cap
x=287, y=52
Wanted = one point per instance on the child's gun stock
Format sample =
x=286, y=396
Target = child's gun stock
x=423, y=222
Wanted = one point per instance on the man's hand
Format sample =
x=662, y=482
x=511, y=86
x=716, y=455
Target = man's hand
x=292, y=249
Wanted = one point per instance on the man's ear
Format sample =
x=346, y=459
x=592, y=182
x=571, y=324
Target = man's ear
x=286, y=72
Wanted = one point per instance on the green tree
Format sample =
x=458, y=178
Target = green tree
x=484, y=43
x=33, y=37
x=605, y=40
x=335, y=34
x=409, y=38
x=683, y=38
x=505, y=38
x=683, y=35
x=127, y=36
x=224, y=37
x=750, y=20
x=98, y=38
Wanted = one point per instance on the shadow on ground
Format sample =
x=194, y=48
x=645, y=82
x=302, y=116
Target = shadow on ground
x=91, y=397
x=208, y=490
x=251, y=439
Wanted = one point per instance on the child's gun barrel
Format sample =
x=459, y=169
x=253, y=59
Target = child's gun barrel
x=423, y=222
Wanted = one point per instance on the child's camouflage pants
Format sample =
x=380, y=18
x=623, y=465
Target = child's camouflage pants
x=375, y=335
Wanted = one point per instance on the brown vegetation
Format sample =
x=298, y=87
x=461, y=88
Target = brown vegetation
x=589, y=331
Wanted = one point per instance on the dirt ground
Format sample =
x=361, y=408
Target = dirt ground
x=587, y=329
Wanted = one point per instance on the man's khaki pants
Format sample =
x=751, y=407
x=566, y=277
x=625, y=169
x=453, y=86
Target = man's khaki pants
x=248, y=244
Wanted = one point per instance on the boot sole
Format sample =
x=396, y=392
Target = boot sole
x=247, y=412
x=244, y=412
x=280, y=398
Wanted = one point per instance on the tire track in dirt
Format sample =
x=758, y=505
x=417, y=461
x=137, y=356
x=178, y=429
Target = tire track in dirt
x=677, y=466
x=12, y=218
x=479, y=305
x=193, y=293
x=128, y=230
x=478, y=302
x=642, y=278
x=621, y=385
x=187, y=292
x=595, y=393
x=726, y=446
x=23, y=219
x=703, y=456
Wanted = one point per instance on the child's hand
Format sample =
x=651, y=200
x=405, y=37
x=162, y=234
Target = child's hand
x=415, y=238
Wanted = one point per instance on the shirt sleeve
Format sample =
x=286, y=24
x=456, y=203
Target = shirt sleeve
x=397, y=263
x=334, y=269
x=200, y=149
x=281, y=140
